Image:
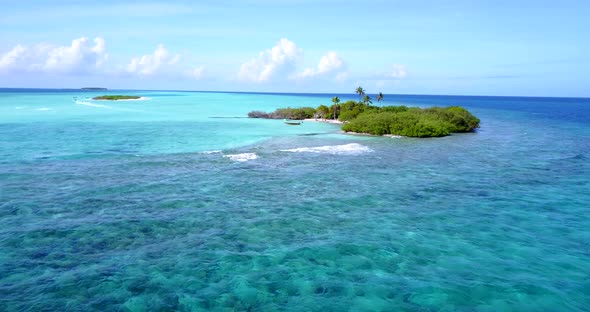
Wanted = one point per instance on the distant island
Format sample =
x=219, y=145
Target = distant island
x=362, y=117
x=94, y=89
x=116, y=97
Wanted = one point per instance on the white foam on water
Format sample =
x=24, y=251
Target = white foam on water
x=44, y=109
x=211, y=152
x=91, y=104
x=143, y=98
x=242, y=157
x=350, y=149
x=19, y=107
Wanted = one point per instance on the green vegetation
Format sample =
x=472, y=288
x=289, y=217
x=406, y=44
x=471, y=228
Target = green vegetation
x=286, y=113
x=414, y=121
x=336, y=106
x=94, y=89
x=362, y=117
x=349, y=110
x=116, y=97
x=360, y=91
x=379, y=97
x=322, y=111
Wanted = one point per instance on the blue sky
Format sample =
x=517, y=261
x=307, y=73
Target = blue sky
x=532, y=48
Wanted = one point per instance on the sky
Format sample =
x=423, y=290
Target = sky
x=460, y=47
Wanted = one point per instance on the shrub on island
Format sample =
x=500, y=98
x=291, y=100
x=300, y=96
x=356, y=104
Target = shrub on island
x=414, y=122
x=285, y=113
x=117, y=97
x=349, y=110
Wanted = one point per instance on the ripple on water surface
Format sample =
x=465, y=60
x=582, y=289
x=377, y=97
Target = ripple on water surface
x=492, y=221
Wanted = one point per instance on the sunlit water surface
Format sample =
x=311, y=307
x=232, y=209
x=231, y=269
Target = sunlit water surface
x=172, y=203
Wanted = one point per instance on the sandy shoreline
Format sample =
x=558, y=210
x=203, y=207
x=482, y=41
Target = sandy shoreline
x=141, y=98
x=332, y=121
x=338, y=122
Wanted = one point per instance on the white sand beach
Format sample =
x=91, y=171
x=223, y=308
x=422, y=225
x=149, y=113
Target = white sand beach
x=332, y=121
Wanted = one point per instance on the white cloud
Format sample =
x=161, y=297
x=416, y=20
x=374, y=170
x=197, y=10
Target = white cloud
x=151, y=63
x=78, y=57
x=329, y=63
x=12, y=58
x=280, y=58
x=174, y=60
x=196, y=73
x=398, y=72
x=81, y=56
x=342, y=76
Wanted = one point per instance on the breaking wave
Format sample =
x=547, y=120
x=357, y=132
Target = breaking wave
x=241, y=157
x=211, y=152
x=352, y=149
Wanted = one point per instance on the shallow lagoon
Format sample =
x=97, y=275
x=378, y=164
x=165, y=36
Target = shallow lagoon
x=155, y=205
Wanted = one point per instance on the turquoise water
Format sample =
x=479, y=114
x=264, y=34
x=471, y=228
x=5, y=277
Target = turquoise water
x=155, y=205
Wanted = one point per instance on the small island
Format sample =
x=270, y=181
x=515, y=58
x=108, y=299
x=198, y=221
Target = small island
x=94, y=89
x=362, y=117
x=116, y=97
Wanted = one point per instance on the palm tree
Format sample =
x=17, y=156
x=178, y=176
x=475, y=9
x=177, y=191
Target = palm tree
x=379, y=97
x=360, y=91
x=335, y=100
x=367, y=100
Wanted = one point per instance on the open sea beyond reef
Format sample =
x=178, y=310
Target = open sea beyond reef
x=174, y=203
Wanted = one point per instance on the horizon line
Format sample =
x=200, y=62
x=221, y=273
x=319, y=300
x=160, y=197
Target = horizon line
x=277, y=92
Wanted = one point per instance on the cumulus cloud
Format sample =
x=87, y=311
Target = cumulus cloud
x=81, y=56
x=329, y=63
x=12, y=58
x=151, y=63
x=280, y=58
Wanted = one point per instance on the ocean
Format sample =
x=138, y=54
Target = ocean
x=176, y=202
